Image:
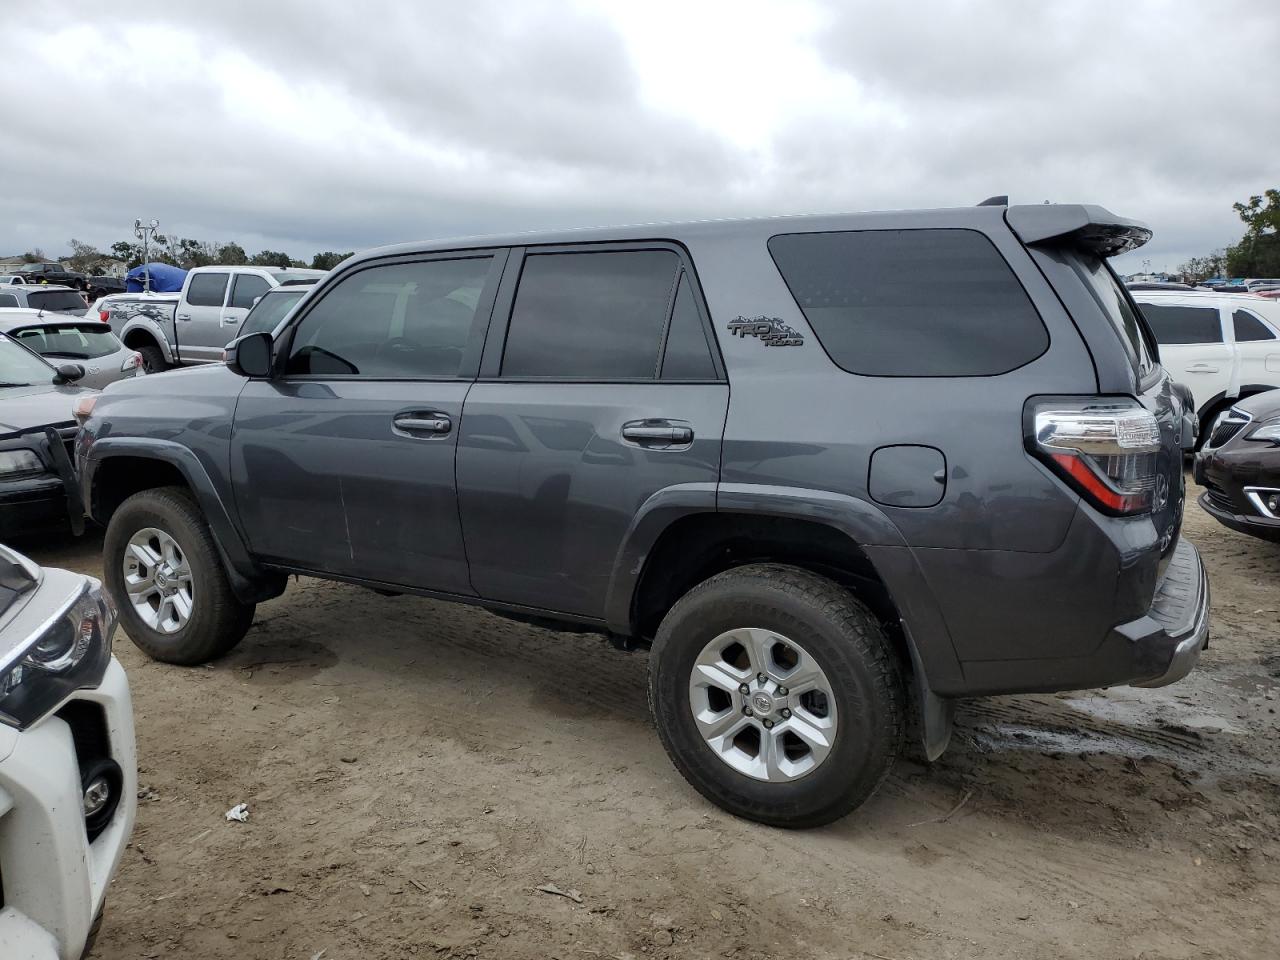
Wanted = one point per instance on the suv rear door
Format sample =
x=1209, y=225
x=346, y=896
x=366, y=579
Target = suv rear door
x=1257, y=344
x=344, y=462
x=600, y=387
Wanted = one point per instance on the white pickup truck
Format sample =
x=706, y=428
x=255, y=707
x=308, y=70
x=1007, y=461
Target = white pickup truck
x=196, y=326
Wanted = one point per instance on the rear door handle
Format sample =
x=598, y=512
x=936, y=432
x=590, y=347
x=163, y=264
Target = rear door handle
x=1202, y=368
x=423, y=423
x=656, y=432
x=184, y=316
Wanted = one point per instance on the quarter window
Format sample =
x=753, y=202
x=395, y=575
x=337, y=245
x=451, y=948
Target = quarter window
x=911, y=303
x=687, y=355
x=590, y=316
x=8, y=300
x=398, y=321
x=207, y=290
x=1249, y=328
x=249, y=287
x=1174, y=324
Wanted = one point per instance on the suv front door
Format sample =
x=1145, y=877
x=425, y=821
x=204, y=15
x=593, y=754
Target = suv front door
x=344, y=462
x=600, y=388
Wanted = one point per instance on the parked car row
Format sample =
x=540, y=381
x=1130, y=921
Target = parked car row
x=195, y=325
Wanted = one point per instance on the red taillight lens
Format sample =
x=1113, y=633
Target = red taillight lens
x=104, y=315
x=1108, y=450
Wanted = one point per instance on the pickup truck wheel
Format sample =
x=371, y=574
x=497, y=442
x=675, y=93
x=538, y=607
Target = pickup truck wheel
x=166, y=577
x=153, y=359
x=776, y=695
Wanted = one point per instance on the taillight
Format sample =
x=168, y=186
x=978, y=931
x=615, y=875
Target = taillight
x=1107, y=450
x=104, y=315
x=131, y=362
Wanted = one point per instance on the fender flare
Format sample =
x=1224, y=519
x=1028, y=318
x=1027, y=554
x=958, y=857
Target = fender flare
x=249, y=581
x=152, y=329
x=924, y=631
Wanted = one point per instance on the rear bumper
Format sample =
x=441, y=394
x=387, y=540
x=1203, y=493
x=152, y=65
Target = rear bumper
x=1180, y=612
x=54, y=879
x=1157, y=648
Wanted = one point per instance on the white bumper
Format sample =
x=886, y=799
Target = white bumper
x=54, y=881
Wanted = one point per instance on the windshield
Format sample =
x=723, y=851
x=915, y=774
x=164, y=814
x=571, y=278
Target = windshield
x=55, y=300
x=19, y=367
x=269, y=311
x=77, y=341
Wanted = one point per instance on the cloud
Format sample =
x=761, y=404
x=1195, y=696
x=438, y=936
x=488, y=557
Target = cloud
x=335, y=126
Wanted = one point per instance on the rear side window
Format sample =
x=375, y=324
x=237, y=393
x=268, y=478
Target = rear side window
x=911, y=303
x=207, y=290
x=590, y=316
x=56, y=300
x=69, y=340
x=1249, y=328
x=8, y=300
x=1173, y=324
x=249, y=287
x=687, y=355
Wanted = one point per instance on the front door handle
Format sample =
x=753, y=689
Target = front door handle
x=657, y=432
x=1202, y=368
x=422, y=423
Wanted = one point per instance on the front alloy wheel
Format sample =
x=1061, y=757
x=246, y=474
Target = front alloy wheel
x=158, y=579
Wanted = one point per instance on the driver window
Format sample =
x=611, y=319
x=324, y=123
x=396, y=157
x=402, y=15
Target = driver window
x=399, y=321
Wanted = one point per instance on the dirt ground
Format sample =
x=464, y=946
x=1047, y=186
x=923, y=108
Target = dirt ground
x=415, y=771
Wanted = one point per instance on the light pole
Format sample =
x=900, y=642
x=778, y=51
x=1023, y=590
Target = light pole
x=144, y=232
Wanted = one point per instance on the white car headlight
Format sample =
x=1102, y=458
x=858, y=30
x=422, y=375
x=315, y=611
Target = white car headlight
x=69, y=654
x=14, y=463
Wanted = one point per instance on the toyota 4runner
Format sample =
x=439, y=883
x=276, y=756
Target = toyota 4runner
x=836, y=472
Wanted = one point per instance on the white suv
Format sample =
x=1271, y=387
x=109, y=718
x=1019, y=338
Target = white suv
x=1222, y=346
x=68, y=772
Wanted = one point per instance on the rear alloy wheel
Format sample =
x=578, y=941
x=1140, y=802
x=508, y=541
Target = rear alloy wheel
x=777, y=695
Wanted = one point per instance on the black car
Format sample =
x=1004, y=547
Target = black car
x=35, y=466
x=1239, y=467
x=104, y=286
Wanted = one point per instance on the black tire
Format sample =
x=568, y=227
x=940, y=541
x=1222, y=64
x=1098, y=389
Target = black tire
x=153, y=359
x=218, y=620
x=846, y=640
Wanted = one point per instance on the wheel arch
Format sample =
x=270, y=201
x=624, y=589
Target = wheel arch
x=142, y=332
x=118, y=468
x=683, y=535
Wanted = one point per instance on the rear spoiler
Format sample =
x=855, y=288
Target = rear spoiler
x=1084, y=226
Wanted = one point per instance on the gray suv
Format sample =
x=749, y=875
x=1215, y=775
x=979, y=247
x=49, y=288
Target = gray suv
x=836, y=472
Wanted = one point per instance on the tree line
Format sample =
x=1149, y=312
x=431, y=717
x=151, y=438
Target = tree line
x=1258, y=252
x=182, y=252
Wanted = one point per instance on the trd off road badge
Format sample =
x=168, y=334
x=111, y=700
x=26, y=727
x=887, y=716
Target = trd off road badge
x=771, y=331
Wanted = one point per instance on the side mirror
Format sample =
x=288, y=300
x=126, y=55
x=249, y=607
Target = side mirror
x=250, y=356
x=68, y=373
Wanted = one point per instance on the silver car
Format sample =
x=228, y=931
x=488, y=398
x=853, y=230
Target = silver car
x=88, y=343
x=48, y=297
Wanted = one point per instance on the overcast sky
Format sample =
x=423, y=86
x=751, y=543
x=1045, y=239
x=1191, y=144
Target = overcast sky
x=334, y=126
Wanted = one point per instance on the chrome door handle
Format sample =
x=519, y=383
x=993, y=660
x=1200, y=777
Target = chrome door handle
x=414, y=424
x=1202, y=368
x=656, y=432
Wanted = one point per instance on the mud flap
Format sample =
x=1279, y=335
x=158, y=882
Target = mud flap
x=67, y=472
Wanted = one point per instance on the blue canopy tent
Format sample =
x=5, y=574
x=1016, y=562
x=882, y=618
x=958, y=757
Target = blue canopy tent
x=164, y=278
